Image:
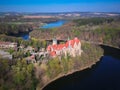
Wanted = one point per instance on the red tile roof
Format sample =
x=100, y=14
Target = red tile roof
x=53, y=53
x=49, y=48
x=61, y=46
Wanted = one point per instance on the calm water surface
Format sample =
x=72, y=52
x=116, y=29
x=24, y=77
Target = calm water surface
x=54, y=24
x=46, y=26
x=25, y=36
x=103, y=76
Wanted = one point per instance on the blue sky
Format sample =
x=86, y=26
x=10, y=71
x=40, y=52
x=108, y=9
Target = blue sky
x=60, y=5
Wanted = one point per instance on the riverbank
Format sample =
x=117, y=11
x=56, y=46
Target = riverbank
x=71, y=72
x=102, y=76
x=24, y=36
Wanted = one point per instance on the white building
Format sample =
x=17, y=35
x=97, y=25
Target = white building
x=6, y=45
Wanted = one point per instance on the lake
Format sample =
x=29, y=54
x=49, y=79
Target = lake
x=105, y=75
x=56, y=24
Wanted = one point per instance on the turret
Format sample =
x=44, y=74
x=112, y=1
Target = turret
x=54, y=41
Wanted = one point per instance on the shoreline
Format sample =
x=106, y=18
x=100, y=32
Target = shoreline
x=71, y=72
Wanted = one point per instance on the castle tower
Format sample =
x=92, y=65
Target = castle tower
x=68, y=38
x=54, y=41
x=69, y=42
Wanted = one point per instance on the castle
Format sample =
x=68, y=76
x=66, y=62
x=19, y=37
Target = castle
x=71, y=47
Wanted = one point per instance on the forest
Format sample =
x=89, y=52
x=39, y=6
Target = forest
x=14, y=29
x=16, y=75
x=100, y=30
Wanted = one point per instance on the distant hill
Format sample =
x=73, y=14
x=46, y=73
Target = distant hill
x=68, y=14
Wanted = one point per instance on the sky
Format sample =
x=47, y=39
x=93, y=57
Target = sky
x=60, y=6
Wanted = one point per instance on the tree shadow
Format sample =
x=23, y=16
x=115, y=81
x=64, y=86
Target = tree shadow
x=111, y=51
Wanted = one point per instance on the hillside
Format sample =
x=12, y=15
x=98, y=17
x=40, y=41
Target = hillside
x=101, y=30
